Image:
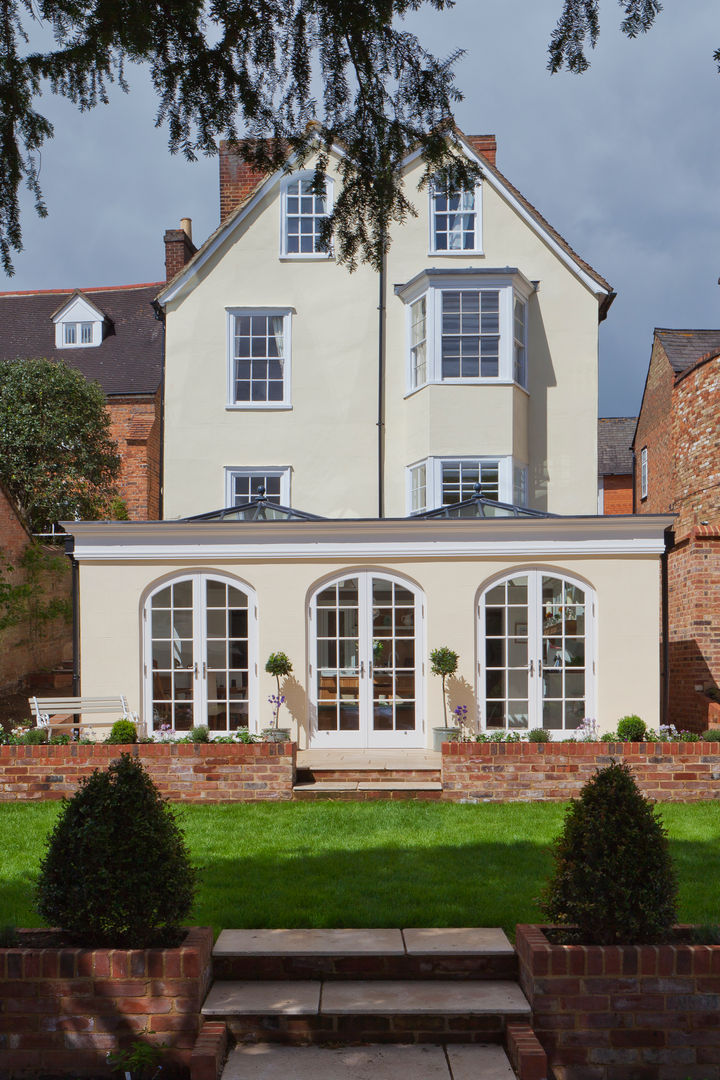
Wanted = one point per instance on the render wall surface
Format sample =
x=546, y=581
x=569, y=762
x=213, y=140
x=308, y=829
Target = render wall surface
x=626, y=589
x=328, y=435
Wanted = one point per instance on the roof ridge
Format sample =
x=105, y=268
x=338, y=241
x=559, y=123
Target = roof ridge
x=87, y=289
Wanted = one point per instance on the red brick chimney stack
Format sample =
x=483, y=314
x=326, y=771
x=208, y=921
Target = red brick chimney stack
x=483, y=144
x=179, y=248
x=237, y=179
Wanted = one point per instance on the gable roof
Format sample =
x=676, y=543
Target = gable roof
x=684, y=348
x=128, y=360
x=473, y=146
x=615, y=437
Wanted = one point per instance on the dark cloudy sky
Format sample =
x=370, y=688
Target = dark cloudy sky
x=624, y=161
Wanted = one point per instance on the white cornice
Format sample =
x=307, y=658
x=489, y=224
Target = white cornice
x=411, y=538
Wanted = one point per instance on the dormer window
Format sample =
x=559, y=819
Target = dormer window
x=303, y=212
x=78, y=324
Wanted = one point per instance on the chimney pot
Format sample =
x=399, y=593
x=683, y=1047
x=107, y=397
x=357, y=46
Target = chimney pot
x=186, y=226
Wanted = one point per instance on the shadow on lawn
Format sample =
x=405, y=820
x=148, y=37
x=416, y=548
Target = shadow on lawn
x=477, y=884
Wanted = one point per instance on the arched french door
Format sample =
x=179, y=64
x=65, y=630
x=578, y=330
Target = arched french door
x=199, y=656
x=366, y=662
x=536, y=652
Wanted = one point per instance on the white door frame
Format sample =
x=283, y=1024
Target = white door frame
x=199, y=580
x=535, y=574
x=366, y=737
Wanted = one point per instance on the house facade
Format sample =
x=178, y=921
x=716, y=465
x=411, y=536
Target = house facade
x=110, y=335
x=677, y=470
x=406, y=460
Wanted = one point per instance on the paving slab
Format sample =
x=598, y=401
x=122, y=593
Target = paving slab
x=479, y=1063
x=266, y=998
x=368, y=759
x=272, y=1062
x=436, y=996
x=343, y=942
x=468, y=940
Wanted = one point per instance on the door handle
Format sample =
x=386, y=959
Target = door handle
x=195, y=668
x=204, y=670
x=532, y=668
x=362, y=669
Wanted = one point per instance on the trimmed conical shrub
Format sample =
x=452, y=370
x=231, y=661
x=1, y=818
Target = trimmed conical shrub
x=117, y=871
x=614, y=879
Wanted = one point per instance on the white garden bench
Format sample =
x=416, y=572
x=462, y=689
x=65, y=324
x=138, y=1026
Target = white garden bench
x=71, y=711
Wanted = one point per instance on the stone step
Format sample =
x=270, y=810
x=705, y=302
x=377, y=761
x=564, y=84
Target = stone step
x=303, y=1012
x=367, y=775
x=413, y=953
x=376, y=1062
x=354, y=790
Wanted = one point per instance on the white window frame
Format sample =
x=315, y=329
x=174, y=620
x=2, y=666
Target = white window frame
x=508, y=286
x=520, y=484
x=433, y=475
x=312, y=256
x=644, y=473
x=286, y=314
x=454, y=252
x=283, y=471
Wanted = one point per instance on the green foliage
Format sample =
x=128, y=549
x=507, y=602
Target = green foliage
x=712, y=735
x=23, y=590
x=117, y=509
x=122, y=731
x=199, y=734
x=444, y=662
x=631, y=729
x=538, y=734
x=277, y=664
x=117, y=870
x=613, y=878
x=34, y=736
x=579, y=24
x=142, y=1061
x=57, y=458
x=9, y=937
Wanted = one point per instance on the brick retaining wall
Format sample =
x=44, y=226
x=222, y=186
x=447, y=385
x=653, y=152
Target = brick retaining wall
x=650, y=1012
x=204, y=772
x=63, y=1010
x=520, y=772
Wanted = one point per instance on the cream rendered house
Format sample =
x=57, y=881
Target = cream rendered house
x=440, y=420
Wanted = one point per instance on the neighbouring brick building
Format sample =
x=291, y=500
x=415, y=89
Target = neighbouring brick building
x=112, y=336
x=677, y=469
x=615, y=464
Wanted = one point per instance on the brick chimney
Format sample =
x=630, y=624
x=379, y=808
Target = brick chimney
x=179, y=248
x=483, y=144
x=237, y=179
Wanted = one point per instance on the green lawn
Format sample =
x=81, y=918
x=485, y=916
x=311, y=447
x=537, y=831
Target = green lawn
x=370, y=864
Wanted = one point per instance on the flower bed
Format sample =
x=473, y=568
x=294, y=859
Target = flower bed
x=198, y=772
x=524, y=771
x=64, y=1009
x=611, y=1012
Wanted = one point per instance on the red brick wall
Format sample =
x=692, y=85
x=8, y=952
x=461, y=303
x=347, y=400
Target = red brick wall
x=179, y=249
x=647, y=1012
x=135, y=425
x=63, y=1010
x=523, y=772
x=617, y=495
x=654, y=431
x=696, y=440
x=31, y=643
x=223, y=772
x=237, y=179
x=694, y=624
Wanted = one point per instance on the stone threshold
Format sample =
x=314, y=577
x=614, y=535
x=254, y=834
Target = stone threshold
x=369, y=785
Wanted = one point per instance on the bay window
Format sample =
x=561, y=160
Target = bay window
x=437, y=482
x=466, y=326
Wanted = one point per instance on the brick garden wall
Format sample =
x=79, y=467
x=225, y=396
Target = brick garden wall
x=30, y=644
x=520, y=772
x=694, y=624
x=135, y=425
x=63, y=1010
x=225, y=772
x=647, y=1012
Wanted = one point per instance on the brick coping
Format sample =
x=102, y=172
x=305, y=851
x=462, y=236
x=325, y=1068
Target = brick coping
x=543, y=957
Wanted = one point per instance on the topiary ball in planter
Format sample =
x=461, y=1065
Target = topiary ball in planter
x=631, y=729
x=122, y=731
x=117, y=871
x=614, y=879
